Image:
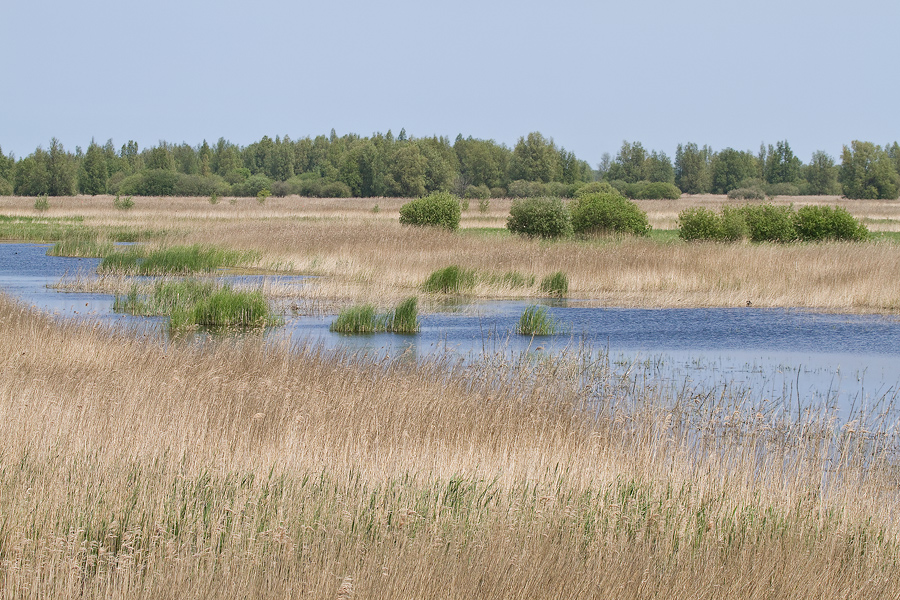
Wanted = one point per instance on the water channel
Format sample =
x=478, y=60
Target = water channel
x=849, y=362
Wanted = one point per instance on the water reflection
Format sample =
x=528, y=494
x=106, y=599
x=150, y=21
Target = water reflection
x=845, y=361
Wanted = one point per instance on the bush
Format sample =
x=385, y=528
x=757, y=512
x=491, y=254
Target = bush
x=748, y=193
x=498, y=192
x=699, y=224
x=199, y=185
x=657, y=190
x=782, y=189
x=556, y=284
x=440, y=209
x=477, y=192
x=252, y=186
x=525, y=189
x=816, y=223
x=539, y=217
x=557, y=189
x=734, y=225
x=608, y=213
x=450, y=280
x=41, y=203
x=123, y=204
x=769, y=223
x=594, y=187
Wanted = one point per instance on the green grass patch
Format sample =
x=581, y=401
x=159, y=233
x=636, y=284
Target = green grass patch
x=555, y=284
x=363, y=319
x=191, y=303
x=175, y=260
x=535, y=320
x=450, y=280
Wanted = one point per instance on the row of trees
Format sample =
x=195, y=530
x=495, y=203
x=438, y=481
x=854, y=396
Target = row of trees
x=385, y=165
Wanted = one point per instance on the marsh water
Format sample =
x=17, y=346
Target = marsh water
x=803, y=357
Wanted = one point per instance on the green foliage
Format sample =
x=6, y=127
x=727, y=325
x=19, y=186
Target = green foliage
x=214, y=198
x=652, y=190
x=484, y=205
x=363, y=319
x=608, y=213
x=555, y=284
x=525, y=189
x=748, y=193
x=477, y=192
x=440, y=209
x=512, y=279
x=594, y=187
x=734, y=225
x=200, y=185
x=822, y=175
x=699, y=223
x=867, y=171
x=262, y=195
x=41, y=203
x=193, y=303
x=693, y=170
x=782, y=189
x=539, y=217
x=123, y=204
x=175, y=260
x=730, y=167
x=93, y=173
x=450, y=280
x=535, y=321
x=534, y=158
x=815, y=223
x=769, y=223
x=6, y=188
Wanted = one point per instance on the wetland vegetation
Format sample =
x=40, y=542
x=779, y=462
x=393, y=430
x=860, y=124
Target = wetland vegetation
x=244, y=468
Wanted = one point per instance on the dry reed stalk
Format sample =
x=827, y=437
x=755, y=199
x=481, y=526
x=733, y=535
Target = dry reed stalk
x=367, y=257
x=133, y=470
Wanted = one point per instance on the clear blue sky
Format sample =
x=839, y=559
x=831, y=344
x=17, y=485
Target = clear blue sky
x=588, y=74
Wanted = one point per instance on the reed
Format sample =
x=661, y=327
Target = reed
x=535, y=321
x=174, y=260
x=450, y=280
x=191, y=303
x=363, y=319
x=556, y=284
x=242, y=469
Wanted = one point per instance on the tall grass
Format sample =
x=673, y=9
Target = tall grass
x=555, y=284
x=246, y=470
x=535, y=320
x=193, y=303
x=450, y=280
x=174, y=260
x=363, y=319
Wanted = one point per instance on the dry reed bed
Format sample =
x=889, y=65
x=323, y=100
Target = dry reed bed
x=128, y=469
x=368, y=257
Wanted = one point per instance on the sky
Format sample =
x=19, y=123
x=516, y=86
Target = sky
x=818, y=74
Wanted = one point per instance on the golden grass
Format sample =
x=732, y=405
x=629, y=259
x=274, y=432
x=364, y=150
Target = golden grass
x=132, y=470
x=366, y=257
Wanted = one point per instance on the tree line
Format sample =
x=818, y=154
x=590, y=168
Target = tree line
x=385, y=165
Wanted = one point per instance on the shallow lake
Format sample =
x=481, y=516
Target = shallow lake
x=851, y=362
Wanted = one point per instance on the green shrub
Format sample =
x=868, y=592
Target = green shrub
x=41, y=203
x=199, y=185
x=556, y=284
x=158, y=182
x=123, y=204
x=498, y=192
x=252, y=186
x=608, y=213
x=440, y=209
x=536, y=321
x=558, y=189
x=816, y=223
x=450, y=280
x=539, y=217
x=699, y=224
x=734, y=225
x=748, y=193
x=594, y=187
x=484, y=205
x=525, y=189
x=262, y=195
x=477, y=192
x=782, y=189
x=657, y=190
x=769, y=223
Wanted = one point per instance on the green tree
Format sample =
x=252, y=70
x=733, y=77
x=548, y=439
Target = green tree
x=867, y=171
x=693, y=174
x=534, y=159
x=658, y=168
x=406, y=177
x=131, y=157
x=7, y=163
x=440, y=162
x=821, y=174
x=160, y=158
x=629, y=163
x=93, y=173
x=31, y=175
x=730, y=167
x=187, y=159
x=61, y=171
x=482, y=162
x=781, y=166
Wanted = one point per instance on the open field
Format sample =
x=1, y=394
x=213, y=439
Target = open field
x=129, y=470
x=365, y=256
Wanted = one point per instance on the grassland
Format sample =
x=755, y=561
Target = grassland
x=133, y=470
x=364, y=257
